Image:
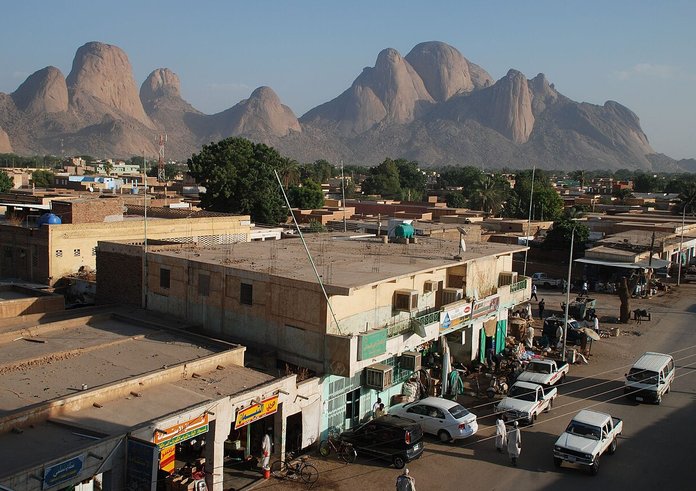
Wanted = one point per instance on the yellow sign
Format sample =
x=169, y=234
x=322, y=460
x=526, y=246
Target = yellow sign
x=256, y=412
x=182, y=431
x=168, y=459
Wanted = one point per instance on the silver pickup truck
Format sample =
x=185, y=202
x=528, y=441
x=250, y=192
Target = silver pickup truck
x=544, y=371
x=588, y=436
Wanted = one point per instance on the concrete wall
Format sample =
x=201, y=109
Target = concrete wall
x=35, y=303
x=89, y=210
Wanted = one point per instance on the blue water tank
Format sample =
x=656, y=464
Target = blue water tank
x=405, y=230
x=49, y=219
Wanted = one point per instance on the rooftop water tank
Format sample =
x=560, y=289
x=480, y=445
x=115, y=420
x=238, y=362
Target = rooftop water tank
x=404, y=230
x=49, y=219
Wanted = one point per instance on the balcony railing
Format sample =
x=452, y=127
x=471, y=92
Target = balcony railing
x=520, y=285
x=410, y=325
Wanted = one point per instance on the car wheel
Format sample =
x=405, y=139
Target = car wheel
x=594, y=468
x=557, y=462
x=444, y=436
x=324, y=448
x=612, y=447
x=399, y=462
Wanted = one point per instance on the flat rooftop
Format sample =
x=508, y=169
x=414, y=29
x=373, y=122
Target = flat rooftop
x=343, y=262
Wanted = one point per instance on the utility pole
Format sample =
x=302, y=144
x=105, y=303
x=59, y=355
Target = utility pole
x=681, y=241
x=529, y=222
x=567, y=303
x=343, y=202
x=144, y=295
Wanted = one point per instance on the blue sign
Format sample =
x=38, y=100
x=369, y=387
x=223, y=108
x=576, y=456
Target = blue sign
x=446, y=322
x=63, y=472
x=141, y=465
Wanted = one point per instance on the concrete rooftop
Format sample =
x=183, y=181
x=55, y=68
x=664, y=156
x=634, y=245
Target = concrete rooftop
x=342, y=262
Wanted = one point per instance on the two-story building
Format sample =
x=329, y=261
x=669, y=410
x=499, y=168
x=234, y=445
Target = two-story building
x=363, y=313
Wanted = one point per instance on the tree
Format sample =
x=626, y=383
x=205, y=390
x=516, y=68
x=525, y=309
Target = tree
x=647, y=183
x=559, y=236
x=309, y=196
x=6, y=182
x=488, y=194
x=238, y=177
x=411, y=179
x=170, y=171
x=546, y=203
x=579, y=175
x=42, y=178
x=622, y=194
x=456, y=200
x=383, y=180
x=687, y=200
x=463, y=177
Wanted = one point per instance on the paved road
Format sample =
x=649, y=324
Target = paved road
x=655, y=451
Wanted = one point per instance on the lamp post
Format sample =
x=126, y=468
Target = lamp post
x=681, y=240
x=567, y=303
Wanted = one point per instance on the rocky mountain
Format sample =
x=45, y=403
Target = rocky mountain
x=5, y=146
x=433, y=105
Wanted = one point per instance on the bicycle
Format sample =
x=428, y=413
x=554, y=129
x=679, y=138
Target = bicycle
x=345, y=451
x=296, y=469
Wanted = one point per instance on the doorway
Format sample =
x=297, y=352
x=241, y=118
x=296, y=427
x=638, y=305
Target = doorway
x=353, y=408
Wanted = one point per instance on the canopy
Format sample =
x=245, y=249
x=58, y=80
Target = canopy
x=656, y=263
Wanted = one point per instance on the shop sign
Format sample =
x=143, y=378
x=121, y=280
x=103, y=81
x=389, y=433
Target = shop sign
x=372, y=344
x=486, y=306
x=454, y=317
x=63, y=472
x=182, y=432
x=141, y=465
x=167, y=459
x=256, y=412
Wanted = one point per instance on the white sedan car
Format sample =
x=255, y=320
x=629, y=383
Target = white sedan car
x=444, y=418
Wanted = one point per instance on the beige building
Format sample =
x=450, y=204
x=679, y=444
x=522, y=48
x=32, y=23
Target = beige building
x=385, y=304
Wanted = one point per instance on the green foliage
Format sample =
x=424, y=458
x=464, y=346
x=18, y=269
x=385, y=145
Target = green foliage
x=456, y=200
x=622, y=193
x=170, y=171
x=42, y=178
x=320, y=171
x=399, y=179
x=546, y=203
x=309, y=196
x=687, y=200
x=647, y=183
x=623, y=174
x=680, y=183
x=463, y=177
x=238, y=177
x=559, y=236
x=316, y=226
x=489, y=193
x=6, y=182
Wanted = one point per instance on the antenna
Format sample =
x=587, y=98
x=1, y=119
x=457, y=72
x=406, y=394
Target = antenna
x=160, y=159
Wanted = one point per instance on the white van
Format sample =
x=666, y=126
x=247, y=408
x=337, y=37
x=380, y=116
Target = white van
x=650, y=377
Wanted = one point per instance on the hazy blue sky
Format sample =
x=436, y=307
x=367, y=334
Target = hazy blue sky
x=639, y=53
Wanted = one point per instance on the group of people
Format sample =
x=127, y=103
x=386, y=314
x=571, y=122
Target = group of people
x=508, y=439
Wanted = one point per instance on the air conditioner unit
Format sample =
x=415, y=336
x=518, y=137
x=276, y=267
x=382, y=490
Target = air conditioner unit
x=379, y=376
x=410, y=360
x=451, y=295
x=406, y=300
x=507, y=278
x=430, y=286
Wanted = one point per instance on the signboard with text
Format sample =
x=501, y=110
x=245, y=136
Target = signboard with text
x=372, y=344
x=486, y=306
x=256, y=412
x=182, y=432
x=63, y=472
x=455, y=317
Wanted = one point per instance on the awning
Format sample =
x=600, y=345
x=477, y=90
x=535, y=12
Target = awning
x=656, y=263
x=28, y=206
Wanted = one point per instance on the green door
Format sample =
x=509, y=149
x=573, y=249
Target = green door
x=482, y=345
x=500, y=334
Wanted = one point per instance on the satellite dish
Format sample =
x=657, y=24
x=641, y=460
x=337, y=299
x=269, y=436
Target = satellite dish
x=461, y=230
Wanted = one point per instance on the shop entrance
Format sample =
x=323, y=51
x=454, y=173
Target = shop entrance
x=352, y=408
x=243, y=452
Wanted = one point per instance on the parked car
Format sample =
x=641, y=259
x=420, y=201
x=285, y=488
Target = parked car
x=587, y=437
x=389, y=438
x=650, y=377
x=525, y=401
x=544, y=371
x=444, y=418
x=542, y=279
x=574, y=334
x=688, y=277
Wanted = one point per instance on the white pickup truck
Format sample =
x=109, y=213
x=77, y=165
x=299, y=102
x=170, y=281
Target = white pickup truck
x=525, y=401
x=587, y=437
x=544, y=372
x=542, y=279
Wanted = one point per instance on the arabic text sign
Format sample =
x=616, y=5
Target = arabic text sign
x=256, y=412
x=182, y=431
x=486, y=306
x=63, y=471
x=454, y=317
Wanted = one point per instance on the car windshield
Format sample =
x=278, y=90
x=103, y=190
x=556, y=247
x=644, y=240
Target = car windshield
x=458, y=411
x=642, y=376
x=581, y=429
x=539, y=367
x=573, y=325
x=522, y=393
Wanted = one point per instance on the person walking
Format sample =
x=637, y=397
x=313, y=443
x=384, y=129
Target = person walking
x=596, y=324
x=266, y=451
x=500, y=434
x=534, y=293
x=514, y=443
x=405, y=482
x=541, y=306
x=584, y=289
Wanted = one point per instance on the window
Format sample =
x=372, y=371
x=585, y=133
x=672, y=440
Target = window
x=165, y=277
x=76, y=252
x=203, y=284
x=246, y=294
x=59, y=252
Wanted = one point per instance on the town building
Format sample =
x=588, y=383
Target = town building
x=379, y=310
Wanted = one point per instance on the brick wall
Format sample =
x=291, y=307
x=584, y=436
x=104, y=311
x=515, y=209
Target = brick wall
x=88, y=211
x=121, y=278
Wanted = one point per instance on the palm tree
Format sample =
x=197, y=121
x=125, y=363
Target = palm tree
x=488, y=195
x=687, y=200
x=289, y=172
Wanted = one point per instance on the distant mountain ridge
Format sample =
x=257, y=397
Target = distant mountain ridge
x=433, y=105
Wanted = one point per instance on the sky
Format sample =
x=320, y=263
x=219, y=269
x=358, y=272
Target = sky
x=639, y=53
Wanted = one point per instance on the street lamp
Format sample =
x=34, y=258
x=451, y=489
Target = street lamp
x=567, y=303
x=681, y=240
